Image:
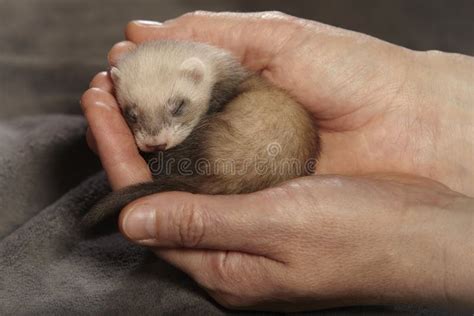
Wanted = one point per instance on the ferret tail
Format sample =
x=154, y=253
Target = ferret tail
x=113, y=203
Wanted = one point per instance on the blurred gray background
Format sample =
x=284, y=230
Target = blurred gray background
x=50, y=49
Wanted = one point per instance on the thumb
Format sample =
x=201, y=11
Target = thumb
x=246, y=222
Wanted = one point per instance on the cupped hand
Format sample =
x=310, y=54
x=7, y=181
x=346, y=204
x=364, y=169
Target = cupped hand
x=381, y=108
x=316, y=242
x=324, y=240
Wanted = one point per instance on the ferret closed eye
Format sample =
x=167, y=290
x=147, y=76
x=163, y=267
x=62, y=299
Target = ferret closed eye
x=178, y=106
x=195, y=102
x=130, y=115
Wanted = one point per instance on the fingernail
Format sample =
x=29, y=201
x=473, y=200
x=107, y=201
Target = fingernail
x=147, y=23
x=140, y=223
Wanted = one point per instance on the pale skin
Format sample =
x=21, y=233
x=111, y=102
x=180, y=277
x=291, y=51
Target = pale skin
x=395, y=225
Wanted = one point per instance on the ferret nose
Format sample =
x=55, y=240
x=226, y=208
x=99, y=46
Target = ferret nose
x=153, y=148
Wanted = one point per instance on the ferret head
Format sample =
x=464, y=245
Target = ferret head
x=162, y=96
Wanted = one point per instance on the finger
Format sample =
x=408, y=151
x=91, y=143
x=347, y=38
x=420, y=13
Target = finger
x=195, y=263
x=227, y=274
x=247, y=222
x=115, y=143
x=102, y=81
x=119, y=50
x=91, y=142
x=250, y=37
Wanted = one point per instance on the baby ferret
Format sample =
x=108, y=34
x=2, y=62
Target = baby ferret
x=208, y=125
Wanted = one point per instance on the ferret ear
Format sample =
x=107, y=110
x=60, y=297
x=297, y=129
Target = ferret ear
x=115, y=74
x=193, y=69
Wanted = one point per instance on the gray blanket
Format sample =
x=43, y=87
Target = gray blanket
x=48, y=178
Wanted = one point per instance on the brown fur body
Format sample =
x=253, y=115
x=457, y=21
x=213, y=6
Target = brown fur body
x=259, y=139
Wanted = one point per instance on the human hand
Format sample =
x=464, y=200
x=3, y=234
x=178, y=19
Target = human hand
x=314, y=242
x=381, y=108
x=354, y=120
x=387, y=108
x=317, y=242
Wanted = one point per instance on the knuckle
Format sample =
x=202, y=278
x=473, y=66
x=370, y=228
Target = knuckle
x=225, y=279
x=194, y=14
x=230, y=280
x=191, y=225
x=276, y=15
x=239, y=300
x=223, y=269
x=101, y=74
x=230, y=301
x=238, y=284
x=86, y=98
x=229, y=271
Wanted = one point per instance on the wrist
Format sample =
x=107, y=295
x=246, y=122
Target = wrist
x=458, y=289
x=445, y=79
x=437, y=94
x=435, y=258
